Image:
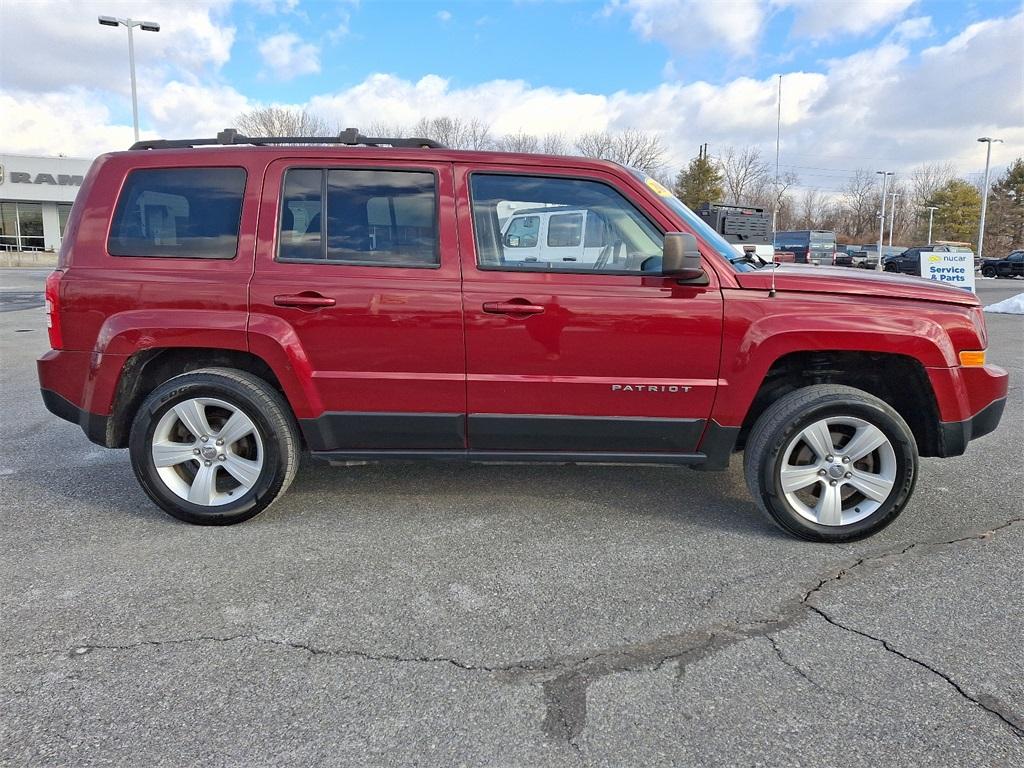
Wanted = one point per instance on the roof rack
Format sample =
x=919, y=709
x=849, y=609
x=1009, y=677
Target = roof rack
x=230, y=137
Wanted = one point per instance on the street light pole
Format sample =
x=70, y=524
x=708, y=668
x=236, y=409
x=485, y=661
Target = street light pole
x=147, y=26
x=984, y=192
x=931, y=214
x=892, y=215
x=881, y=218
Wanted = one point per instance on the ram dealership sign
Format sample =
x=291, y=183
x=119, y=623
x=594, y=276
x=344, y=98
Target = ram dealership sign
x=956, y=268
x=41, y=179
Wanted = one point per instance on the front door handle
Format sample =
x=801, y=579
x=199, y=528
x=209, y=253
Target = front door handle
x=514, y=307
x=304, y=300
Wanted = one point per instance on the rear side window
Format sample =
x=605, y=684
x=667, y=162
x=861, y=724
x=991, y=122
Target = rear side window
x=359, y=217
x=564, y=230
x=188, y=213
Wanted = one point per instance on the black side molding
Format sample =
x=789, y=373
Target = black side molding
x=385, y=431
x=614, y=434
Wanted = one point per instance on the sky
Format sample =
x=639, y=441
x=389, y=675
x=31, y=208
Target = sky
x=866, y=84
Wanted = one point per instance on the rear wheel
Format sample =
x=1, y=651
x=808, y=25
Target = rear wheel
x=831, y=463
x=214, y=447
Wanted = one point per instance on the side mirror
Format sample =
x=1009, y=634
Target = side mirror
x=680, y=256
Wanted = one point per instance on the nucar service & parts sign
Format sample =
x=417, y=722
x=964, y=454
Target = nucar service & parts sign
x=955, y=268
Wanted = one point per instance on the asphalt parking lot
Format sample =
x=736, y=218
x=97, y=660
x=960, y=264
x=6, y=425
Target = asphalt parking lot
x=499, y=615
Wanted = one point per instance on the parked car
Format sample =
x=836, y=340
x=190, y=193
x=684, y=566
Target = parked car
x=850, y=256
x=909, y=261
x=219, y=310
x=810, y=246
x=1008, y=266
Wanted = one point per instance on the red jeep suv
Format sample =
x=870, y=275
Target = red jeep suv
x=218, y=309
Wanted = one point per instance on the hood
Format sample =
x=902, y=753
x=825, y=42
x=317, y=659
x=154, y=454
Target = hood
x=857, y=282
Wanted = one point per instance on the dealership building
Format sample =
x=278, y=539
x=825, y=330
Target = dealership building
x=36, y=194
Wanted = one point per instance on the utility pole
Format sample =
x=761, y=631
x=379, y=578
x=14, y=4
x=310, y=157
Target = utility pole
x=881, y=217
x=892, y=215
x=146, y=26
x=984, y=192
x=931, y=215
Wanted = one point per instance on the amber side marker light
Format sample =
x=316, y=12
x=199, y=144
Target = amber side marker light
x=973, y=358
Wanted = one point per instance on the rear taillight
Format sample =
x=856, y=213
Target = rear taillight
x=52, y=296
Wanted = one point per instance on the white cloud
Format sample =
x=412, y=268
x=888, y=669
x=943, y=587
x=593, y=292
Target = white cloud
x=287, y=56
x=883, y=107
x=819, y=19
x=913, y=29
x=444, y=16
x=74, y=123
x=688, y=25
x=194, y=39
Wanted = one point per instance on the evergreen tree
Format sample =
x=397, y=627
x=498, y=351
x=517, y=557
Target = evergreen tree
x=700, y=182
x=959, y=209
x=1004, y=220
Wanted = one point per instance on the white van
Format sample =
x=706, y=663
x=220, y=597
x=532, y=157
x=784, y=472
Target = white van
x=554, y=234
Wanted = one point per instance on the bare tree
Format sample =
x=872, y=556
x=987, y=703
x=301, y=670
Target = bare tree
x=777, y=190
x=599, y=144
x=744, y=173
x=927, y=179
x=631, y=147
x=861, y=200
x=640, y=150
x=812, y=209
x=384, y=129
x=554, y=144
x=454, y=132
x=518, y=142
x=283, y=121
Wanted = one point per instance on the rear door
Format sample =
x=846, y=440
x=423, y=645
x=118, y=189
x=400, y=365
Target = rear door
x=357, y=286
x=600, y=358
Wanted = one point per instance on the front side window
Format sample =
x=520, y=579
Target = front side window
x=179, y=212
x=359, y=217
x=522, y=232
x=620, y=241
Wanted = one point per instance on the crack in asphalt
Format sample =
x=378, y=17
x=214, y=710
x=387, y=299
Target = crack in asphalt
x=564, y=680
x=778, y=652
x=990, y=704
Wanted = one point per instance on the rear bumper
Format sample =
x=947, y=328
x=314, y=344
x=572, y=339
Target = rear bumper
x=93, y=424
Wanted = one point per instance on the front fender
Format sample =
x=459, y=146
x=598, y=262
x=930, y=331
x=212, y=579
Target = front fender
x=759, y=330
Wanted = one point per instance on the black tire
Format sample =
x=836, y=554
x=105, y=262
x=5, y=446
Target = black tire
x=989, y=272
x=784, y=420
x=260, y=402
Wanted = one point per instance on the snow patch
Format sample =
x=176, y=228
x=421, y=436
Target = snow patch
x=1011, y=306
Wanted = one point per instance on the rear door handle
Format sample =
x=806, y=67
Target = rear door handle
x=305, y=300
x=513, y=307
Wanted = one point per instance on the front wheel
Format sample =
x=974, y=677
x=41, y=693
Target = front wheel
x=214, y=447
x=831, y=463
x=988, y=272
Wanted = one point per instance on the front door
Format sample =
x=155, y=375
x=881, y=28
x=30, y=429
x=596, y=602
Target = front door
x=602, y=357
x=357, y=285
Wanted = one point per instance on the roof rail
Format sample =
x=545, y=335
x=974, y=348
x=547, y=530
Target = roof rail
x=230, y=137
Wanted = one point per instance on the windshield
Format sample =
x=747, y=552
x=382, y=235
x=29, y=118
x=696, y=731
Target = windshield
x=699, y=226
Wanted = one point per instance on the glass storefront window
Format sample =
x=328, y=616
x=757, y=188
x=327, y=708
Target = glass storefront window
x=9, y=226
x=21, y=227
x=63, y=211
x=30, y=226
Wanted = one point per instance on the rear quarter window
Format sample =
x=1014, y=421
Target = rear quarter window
x=190, y=213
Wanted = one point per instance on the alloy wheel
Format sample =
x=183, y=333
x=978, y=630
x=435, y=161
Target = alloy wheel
x=207, y=451
x=837, y=471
